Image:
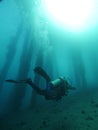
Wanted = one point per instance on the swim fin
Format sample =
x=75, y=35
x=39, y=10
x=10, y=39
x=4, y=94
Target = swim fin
x=41, y=72
x=12, y=81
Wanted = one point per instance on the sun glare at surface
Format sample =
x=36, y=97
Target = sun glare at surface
x=73, y=14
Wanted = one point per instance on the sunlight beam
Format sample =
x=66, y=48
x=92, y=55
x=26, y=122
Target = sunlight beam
x=73, y=14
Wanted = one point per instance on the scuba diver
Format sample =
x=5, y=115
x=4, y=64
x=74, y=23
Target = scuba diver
x=54, y=90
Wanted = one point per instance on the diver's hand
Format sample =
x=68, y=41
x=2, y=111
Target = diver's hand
x=71, y=87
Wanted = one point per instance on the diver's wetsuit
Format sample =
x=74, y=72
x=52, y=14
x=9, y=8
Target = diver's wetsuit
x=49, y=93
x=36, y=88
x=54, y=89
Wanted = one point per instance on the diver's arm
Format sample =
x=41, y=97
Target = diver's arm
x=71, y=87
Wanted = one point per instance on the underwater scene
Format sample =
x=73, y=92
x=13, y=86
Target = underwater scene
x=48, y=64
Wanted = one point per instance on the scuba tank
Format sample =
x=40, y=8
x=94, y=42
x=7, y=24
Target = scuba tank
x=56, y=82
x=59, y=85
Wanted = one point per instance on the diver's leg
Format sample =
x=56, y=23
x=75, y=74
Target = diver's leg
x=28, y=81
x=36, y=88
x=41, y=72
